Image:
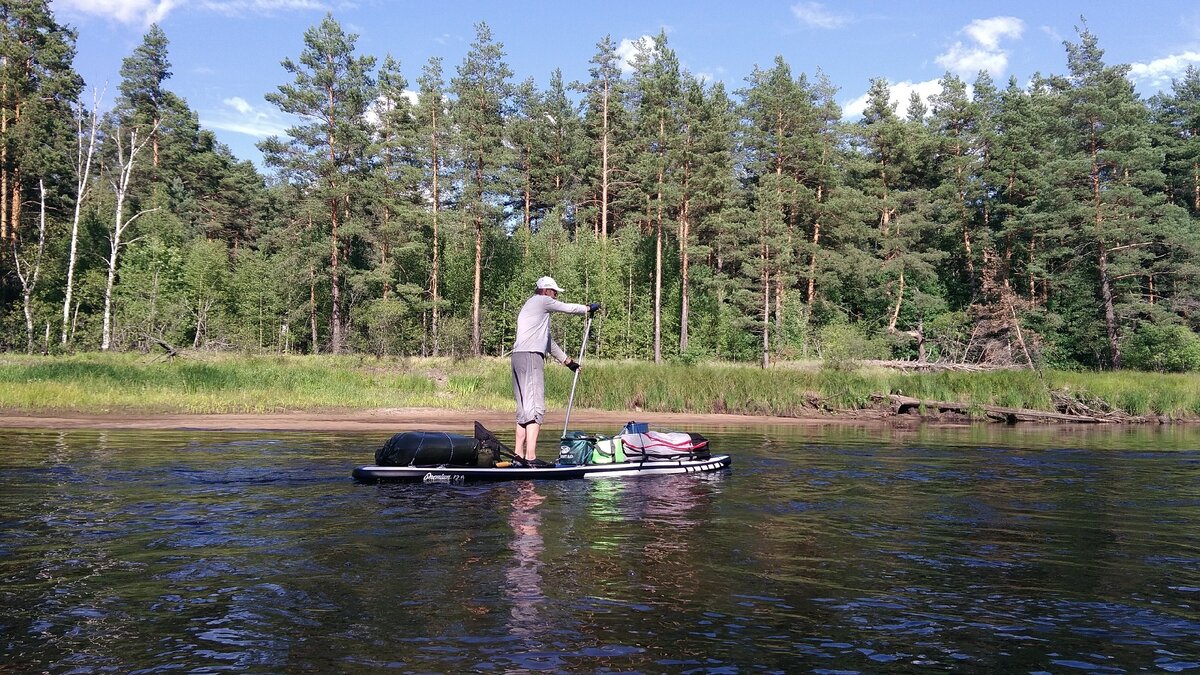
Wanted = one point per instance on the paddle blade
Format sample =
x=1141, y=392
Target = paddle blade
x=488, y=440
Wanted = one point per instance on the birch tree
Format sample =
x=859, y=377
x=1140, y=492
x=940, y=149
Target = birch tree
x=127, y=148
x=83, y=168
x=28, y=270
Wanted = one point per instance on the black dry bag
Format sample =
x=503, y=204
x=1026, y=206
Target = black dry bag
x=428, y=448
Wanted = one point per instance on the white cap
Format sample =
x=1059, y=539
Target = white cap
x=548, y=282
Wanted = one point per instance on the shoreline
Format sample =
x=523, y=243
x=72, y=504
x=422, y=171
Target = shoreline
x=411, y=419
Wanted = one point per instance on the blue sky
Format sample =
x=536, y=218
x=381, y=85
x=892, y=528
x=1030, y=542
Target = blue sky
x=226, y=54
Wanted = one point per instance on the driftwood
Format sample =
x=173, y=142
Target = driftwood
x=171, y=350
x=937, y=366
x=906, y=405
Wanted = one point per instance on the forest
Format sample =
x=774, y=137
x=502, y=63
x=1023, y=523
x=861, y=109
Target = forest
x=1051, y=224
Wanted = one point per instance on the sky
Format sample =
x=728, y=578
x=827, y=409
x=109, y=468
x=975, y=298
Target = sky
x=226, y=54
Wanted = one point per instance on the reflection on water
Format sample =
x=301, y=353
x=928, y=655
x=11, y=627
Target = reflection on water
x=984, y=549
x=524, y=575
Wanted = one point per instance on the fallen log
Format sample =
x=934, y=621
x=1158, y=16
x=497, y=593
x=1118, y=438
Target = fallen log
x=907, y=405
x=938, y=366
x=171, y=350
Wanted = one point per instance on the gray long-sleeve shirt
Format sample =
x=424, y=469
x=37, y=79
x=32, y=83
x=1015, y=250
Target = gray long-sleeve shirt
x=533, y=325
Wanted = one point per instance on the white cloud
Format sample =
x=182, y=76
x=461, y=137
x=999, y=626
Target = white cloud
x=815, y=15
x=240, y=117
x=967, y=61
x=382, y=105
x=1052, y=34
x=982, y=50
x=900, y=93
x=987, y=32
x=239, y=104
x=629, y=48
x=1159, y=72
x=144, y=12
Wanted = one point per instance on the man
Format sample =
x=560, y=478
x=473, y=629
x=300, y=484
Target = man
x=529, y=359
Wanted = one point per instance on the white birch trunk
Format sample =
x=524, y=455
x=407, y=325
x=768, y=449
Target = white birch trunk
x=120, y=224
x=83, y=169
x=27, y=272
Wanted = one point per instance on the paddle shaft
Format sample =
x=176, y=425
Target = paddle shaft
x=587, y=328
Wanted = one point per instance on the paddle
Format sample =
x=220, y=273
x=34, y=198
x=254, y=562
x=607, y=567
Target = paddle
x=587, y=328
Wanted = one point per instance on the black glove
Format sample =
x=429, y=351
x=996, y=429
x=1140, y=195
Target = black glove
x=573, y=365
x=593, y=308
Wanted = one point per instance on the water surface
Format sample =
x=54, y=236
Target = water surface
x=984, y=549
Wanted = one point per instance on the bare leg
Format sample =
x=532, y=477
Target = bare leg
x=531, y=436
x=520, y=441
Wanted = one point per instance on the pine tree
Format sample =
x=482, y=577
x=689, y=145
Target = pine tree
x=1178, y=115
x=393, y=176
x=825, y=180
x=956, y=190
x=395, y=253
x=791, y=133
x=606, y=122
x=1014, y=177
x=708, y=188
x=1106, y=190
x=141, y=92
x=881, y=134
x=334, y=88
x=433, y=139
x=38, y=88
x=483, y=94
x=656, y=92
x=558, y=173
x=522, y=133
x=602, y=171
x=895, y=176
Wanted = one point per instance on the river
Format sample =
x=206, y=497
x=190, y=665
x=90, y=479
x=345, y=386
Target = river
x=828, y=550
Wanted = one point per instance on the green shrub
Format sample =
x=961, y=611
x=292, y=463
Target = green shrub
x=1165, y=349
x=841, y=344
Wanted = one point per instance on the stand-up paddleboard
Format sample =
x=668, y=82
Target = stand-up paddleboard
x=438, y=457
x=462, y=474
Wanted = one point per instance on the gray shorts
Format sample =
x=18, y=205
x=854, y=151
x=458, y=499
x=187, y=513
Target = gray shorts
x=529, y=386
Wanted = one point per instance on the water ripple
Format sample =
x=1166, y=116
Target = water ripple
x=831, y=551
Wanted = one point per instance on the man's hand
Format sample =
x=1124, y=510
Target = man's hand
x=593, y=308
x=573, y=365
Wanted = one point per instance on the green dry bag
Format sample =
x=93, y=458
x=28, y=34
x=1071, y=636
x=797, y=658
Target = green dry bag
x=608, y=451
x=575, y=448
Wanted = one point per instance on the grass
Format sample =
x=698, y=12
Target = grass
x=103, y=383
x=1171, y=394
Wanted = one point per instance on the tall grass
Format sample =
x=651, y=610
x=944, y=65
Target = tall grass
x=1174, y=395
x=100, y=383
x=743, y=389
